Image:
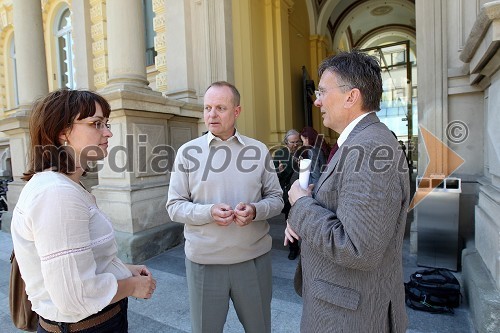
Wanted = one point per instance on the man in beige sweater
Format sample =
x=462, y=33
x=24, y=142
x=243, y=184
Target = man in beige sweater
x=223, y=188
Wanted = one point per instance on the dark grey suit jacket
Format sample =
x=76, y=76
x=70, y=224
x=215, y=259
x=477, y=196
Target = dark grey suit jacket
x=352, y=235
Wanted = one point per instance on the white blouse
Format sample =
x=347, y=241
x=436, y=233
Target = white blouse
x=66, y=249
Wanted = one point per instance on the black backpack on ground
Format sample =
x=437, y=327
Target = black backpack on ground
x=433, y=290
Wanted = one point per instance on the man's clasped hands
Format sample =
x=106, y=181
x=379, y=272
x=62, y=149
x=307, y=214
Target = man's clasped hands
x=223, y=214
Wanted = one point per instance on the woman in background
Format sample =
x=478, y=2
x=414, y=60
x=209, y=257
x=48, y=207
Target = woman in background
x=316, y=149
x=64, y=244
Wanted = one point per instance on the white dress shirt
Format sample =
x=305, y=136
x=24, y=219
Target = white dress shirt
x=345, y=133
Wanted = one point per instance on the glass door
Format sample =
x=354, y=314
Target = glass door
x=398, y=108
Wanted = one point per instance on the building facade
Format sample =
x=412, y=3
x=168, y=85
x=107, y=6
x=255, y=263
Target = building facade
x=153, y=59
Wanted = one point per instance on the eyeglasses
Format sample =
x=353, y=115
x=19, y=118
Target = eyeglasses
x=319, y=93
x=98, y=124
x=295, y=142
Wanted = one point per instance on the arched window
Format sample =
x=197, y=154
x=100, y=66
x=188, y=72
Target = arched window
x=14, y=95
x=150, y=33
x=64, y=42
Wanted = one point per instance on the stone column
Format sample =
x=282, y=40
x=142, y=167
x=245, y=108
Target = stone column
x=133, y=182
x=212, y=35
x=83, y=44
x=432, y=86
x=481, y=259
x=432, y=78
x=126, y=43
x=179, y=51
x=32, y=84
x=277, y=13
x=30, y=52
x=319, y=51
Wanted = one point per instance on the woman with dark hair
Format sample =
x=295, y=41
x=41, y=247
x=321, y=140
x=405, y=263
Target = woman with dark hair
x=315, y=148
x=64, y=244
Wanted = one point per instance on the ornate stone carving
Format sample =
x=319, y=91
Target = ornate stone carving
x=100, y=79
x=161, y=82
x=99, y=63
x=158, y=6
x=160, y=42
x=161, y=62
x=97, y=12
x=98, y=30
x=159, y=23
x=98, y=47
x=3, y=18
x=159, y=26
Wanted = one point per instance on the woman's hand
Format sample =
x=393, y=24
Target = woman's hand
x=144, y=286
x=138, y=270
x=140, y=285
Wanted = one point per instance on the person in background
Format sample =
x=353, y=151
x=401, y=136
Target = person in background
x=352, y=222
x=64, y=244
x=287, y=167
x=316, y=149
x=224, y=188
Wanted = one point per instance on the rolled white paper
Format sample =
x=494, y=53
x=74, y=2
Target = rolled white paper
x=304, y=166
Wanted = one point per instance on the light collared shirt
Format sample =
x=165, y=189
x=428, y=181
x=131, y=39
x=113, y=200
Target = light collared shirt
x=345, y=133
x=208, y=171
x=236, y=136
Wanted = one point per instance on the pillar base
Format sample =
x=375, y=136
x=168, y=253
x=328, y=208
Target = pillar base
x=480, y=292
x=129, y=86
x=131, y=80
x=137, y=247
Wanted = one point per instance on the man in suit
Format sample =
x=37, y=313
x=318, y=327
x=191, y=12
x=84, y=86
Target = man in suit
x=352, y=222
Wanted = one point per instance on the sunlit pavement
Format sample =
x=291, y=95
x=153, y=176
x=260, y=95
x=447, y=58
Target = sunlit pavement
x=168, y=310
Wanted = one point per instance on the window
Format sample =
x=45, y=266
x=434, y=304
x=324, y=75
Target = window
x=150, y=32
x=14, y=95
x=64, y=42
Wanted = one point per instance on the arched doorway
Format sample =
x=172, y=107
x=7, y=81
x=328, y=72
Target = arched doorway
x=387, y=30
